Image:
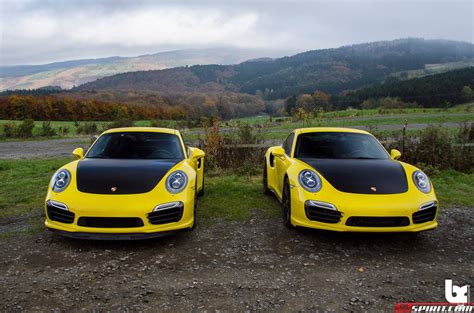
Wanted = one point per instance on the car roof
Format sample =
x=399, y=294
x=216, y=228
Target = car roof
x=330, y=129
x=142, y=129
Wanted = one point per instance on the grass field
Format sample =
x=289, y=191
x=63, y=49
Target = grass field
x=227, y=196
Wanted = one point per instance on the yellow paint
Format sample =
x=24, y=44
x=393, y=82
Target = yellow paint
x=132, y=205
x=350, y=204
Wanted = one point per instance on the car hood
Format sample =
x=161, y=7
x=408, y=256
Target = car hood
x=120, y=176
x=363, y=176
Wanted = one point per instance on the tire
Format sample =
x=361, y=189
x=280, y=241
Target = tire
x=266, y=191
x=201, y=192
x=286, y=204
x=195, y=209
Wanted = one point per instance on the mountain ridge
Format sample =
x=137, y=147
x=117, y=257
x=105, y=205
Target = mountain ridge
x=68, y=74
x=331, y=70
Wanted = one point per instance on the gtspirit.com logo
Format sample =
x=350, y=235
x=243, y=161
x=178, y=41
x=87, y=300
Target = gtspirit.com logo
x=458, y=301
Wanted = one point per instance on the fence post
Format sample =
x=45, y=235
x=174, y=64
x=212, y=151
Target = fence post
x=403, y=136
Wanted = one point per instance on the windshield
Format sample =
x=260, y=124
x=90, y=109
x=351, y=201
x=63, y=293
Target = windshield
x=137, y=145
x=339, y=145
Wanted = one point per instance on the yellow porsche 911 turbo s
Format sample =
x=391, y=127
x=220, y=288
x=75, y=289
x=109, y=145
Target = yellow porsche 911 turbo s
x=133, y=183
x=343, y=179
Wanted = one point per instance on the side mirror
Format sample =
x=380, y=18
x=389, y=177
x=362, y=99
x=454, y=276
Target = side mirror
x=395, y=154
x=197, y=153
x=78, y=153
x=278, y=151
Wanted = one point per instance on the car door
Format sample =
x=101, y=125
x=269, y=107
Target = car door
x=283, y=162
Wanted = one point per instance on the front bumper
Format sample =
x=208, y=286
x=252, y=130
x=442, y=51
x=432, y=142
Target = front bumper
x=364, y=213
x=118, y=217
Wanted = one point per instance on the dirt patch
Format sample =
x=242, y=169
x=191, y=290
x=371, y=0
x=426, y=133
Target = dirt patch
x=252, y=265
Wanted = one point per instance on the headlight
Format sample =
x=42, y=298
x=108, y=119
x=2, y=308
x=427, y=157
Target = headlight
x=60, y=180
x=421, y=181
x=176, y=181
x=310, y=181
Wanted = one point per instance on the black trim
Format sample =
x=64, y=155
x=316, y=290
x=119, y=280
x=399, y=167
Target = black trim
x=105, y=236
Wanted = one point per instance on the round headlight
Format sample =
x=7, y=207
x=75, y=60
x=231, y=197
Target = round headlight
x=176, y=181
x=60, y=180
x=421, y=181
x=310, y=180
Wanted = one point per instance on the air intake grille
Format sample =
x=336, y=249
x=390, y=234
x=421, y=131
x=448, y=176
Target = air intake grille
x=319, y=214
x=425, y=215
x=59, y=215
x=369, y=221
x=167, y=215
x=110, y=222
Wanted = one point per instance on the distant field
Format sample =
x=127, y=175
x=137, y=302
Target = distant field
x=278, y=127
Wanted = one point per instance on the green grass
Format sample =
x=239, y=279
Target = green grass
x=231, y=197
x=24, y=184
x=454, y=188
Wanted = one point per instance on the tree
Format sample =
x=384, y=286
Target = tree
x=467, y=93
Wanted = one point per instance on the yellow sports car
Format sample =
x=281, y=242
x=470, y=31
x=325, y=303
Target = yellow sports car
x=133, y=183
x=344, y=180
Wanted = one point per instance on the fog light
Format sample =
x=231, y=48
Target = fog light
x=319, y=204
x=428, y=205
x=57, y=204
x=167, y=206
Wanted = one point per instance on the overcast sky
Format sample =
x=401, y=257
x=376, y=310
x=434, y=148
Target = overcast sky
x=40, y=31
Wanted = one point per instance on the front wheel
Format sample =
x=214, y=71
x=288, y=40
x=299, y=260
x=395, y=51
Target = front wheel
x=286, y=203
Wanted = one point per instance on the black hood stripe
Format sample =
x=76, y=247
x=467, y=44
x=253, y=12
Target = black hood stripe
x=121, y=176
x=371, y=176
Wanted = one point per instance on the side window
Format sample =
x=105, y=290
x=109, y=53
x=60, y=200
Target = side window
x=288, y=144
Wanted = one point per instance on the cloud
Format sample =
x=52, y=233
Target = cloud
x=35, y=31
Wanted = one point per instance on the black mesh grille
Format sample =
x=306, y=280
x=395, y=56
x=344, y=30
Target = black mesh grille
x=110, y=222
x=369, y=221
x=59, y=215
x=319, y=214
x=425, y=215
x=164, y=216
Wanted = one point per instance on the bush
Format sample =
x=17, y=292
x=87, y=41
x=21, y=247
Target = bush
x=25, y=129
x=436, y=148
x=9, y=130
x=47, y=130
x=87, y=129
x=240, y=150
x=63, y=130
x=213, y=144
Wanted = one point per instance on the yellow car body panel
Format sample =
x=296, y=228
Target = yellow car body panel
x=136, y=205
x=349, y=204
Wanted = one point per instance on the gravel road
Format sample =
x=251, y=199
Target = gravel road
x=41, y=148
x=252, y=265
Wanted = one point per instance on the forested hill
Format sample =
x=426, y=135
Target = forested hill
x=431, y=91
x=329, y=70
